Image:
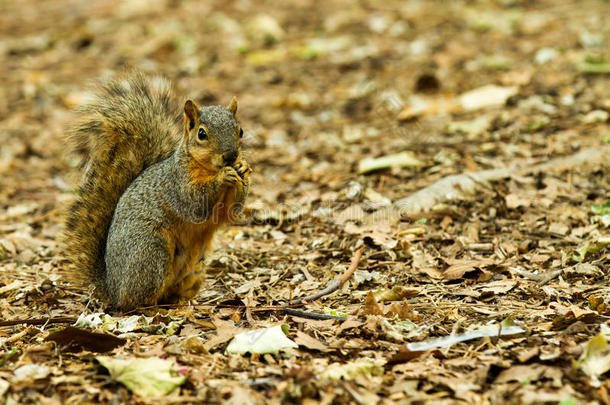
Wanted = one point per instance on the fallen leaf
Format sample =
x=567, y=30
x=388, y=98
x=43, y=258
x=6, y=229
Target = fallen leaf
x=349, y=323
x=149, y=377
x=76, y=339
x=594, y=67
x=260, y=341
x=371, y=307
x=103, y=322
x=396, y=293
x=241, y=395
x=305, y=340
x=460, y=267
x=595, y=116
x=193, y=344
x=585, y=250
x=4, y=386
x=402, y=311
x=15, y=285
x=528, y=372
x=375, y=199
x=31, y=372
x=595, y=359
x=474, y=127
x=403, y=159
x=379, y=239
x=499, y=287
x=427, y=106
x=404, y=355
x=486, y=96
x=574, y=314
x=264, y=29
x=265, y=57
x=602, y=214
x=515, y=201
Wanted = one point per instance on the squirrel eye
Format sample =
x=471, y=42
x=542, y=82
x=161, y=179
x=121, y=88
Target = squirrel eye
x=241, y=133
x=202, y=135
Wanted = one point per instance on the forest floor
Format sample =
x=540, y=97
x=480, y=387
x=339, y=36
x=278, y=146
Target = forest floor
x=442, y=88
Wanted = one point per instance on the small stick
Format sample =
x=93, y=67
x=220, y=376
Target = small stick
x=312, y=315
x=330, y=288
x=39, y=321
x=481, y=247
x=337, y=282
x=548, y=276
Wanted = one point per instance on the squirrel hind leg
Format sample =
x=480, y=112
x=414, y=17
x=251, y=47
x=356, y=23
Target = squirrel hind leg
x=137, y=279
x=187, y=288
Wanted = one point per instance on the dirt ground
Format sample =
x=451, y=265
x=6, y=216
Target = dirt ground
x=323, y=87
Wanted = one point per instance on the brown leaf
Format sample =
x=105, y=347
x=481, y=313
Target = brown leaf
x=405, y=355
x=371, y=306
x=349, y=323
x=531, y=372
x=225, y=330
x=75, y=339
x=459, y=268
x=528, y=354
x=303, y=339
x=402, y=311
x=499, y=287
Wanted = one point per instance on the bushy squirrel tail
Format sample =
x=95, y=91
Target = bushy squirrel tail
x=131, y=123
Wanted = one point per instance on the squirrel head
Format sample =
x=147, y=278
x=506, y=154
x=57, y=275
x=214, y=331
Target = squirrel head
x=212, y=135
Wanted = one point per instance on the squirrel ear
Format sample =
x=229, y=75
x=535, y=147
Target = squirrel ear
x=233, y=106
x=191, y=113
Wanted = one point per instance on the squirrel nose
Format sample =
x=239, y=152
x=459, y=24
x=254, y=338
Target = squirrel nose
x=229, y=157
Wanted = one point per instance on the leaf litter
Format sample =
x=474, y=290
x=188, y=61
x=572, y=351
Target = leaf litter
x=504, y=107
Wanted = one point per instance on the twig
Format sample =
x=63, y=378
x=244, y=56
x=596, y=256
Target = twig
x=481, y=247
x=337, y=282
x=548, y=276
x=38, y=321
x=262, y=381
x=312, y=315
x=330, y=288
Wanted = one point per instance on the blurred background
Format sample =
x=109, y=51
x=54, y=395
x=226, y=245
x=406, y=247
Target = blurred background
x=321, y=85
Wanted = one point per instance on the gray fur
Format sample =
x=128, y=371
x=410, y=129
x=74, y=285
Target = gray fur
x=223, y=125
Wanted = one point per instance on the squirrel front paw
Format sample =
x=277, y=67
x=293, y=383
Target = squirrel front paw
x=228, y=176
x=243, y=169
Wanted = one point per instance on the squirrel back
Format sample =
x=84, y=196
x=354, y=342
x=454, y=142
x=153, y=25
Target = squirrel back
x=131, y=124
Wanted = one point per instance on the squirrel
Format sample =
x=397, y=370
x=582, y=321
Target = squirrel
x=152, y=194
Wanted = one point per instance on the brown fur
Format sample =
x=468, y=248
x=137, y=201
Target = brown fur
x=200, y=167
x=192, y=242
